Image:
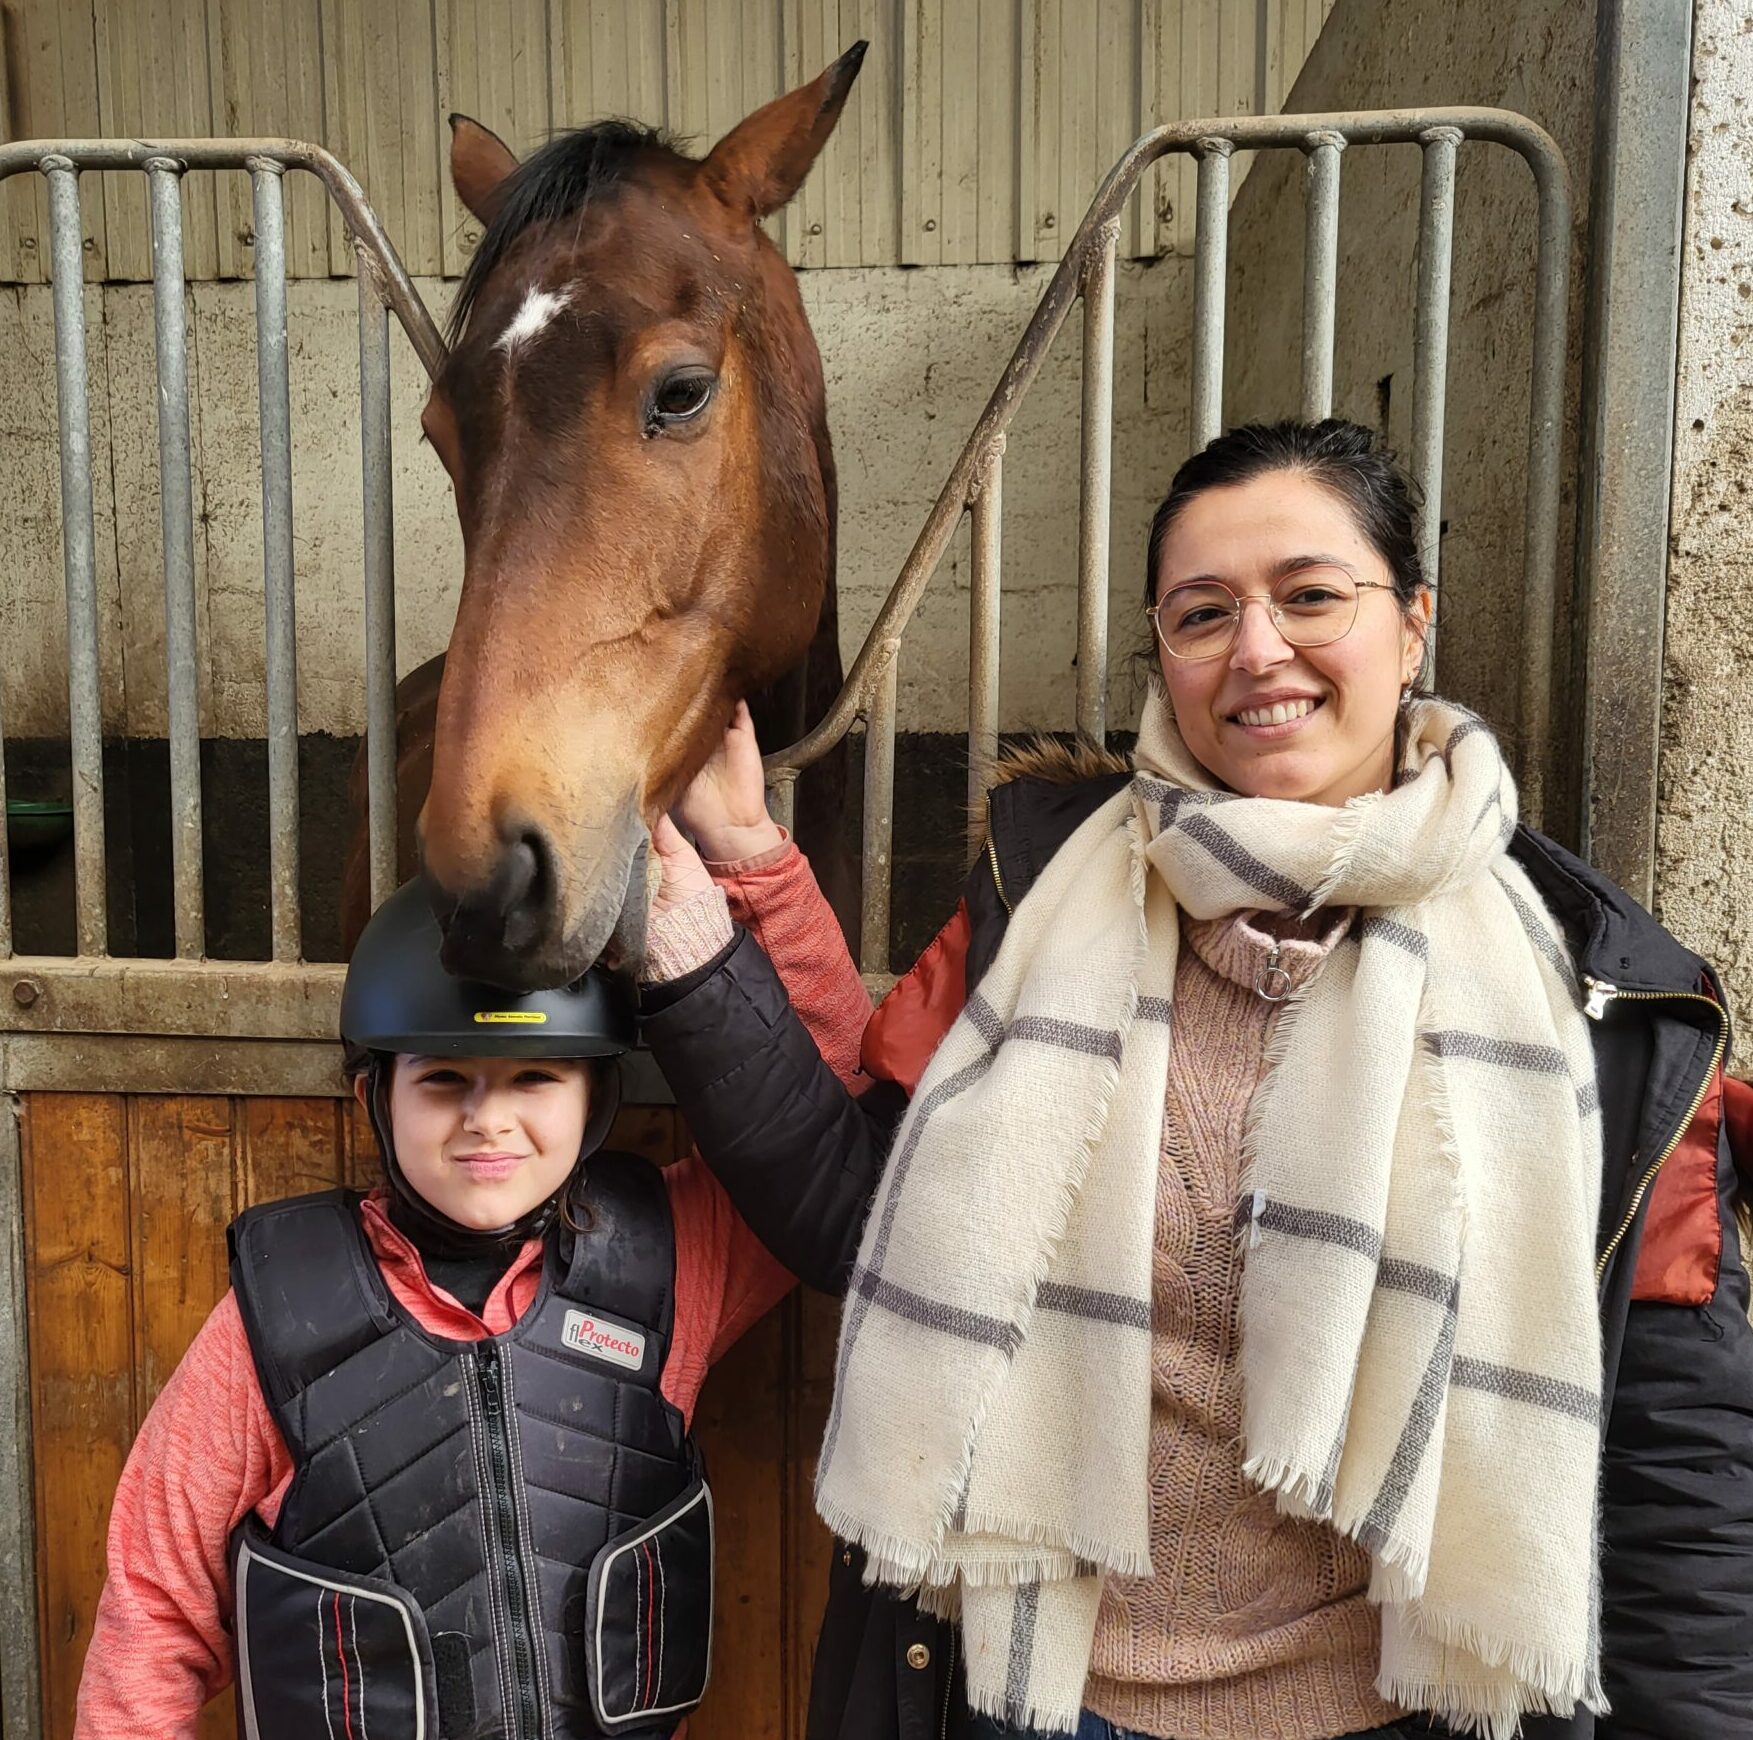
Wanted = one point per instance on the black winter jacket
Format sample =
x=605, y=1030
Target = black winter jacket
x=800, y=1157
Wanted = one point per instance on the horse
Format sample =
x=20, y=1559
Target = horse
x=634, y=423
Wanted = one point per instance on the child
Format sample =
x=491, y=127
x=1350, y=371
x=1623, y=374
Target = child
x=426, y=1470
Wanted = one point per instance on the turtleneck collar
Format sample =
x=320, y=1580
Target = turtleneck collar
x=1238, y=946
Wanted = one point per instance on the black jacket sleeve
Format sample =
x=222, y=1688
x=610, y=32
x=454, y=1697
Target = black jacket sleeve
x=1677, y=1516
x=797, y=1153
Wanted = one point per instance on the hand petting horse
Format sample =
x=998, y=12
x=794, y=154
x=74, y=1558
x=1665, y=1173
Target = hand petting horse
x=633, y=419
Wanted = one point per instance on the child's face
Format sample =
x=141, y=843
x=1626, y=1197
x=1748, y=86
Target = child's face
x=485, y=1139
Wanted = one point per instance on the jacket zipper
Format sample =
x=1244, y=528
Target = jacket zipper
x=997, y=879
x=1600, y=994
x=507, y=1569
x=949, y=1687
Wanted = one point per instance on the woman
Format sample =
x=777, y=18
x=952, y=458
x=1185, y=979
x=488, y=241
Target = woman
x=1320, y=1164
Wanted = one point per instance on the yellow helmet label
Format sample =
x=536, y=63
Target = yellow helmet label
x=511, y=1017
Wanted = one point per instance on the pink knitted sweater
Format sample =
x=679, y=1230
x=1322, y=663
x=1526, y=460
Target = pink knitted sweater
x=1252, y=1624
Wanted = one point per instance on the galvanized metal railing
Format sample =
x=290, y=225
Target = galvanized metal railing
x=975, y=484
x=286, y=999
x=384, y=288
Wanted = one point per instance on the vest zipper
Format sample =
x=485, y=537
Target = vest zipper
x=507, y=1570
x=1600, y=994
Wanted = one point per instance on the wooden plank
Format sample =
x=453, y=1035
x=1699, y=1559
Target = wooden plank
x=1080, y=95
x=876, y=169
x=78, y=1261
x=289, y=1147
x=154, y=80
x=606, y=57
x=492, y=63
x=1279, y=22
x=649, y=1131
x=999, y=95
x=963, y=83
x=685, y=66
x=180, y=1203
x=924, y=124
x=1239, y=75
x=1114, y=122
x=381, y=99
x=805, y=54
x=1198, y=85
x=837, y=165
x=361, y=1168
x=266, y=65
x=421, y=233
x=1139, y=238
x=1040, y=223
x=724, y=63
x=812, y=1335
x=740, y=1420
x=761, y=47
x=51, y=67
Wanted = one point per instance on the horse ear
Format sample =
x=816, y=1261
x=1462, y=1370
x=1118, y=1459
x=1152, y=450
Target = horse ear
x=761, y=162
x=479, y=163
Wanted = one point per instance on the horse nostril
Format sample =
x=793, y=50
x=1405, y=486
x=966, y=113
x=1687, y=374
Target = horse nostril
x=524, y=889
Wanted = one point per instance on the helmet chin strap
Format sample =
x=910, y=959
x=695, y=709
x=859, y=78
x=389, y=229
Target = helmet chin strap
x=434, y=1231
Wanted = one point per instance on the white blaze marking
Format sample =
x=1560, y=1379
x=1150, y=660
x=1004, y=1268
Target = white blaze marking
x=539, y=307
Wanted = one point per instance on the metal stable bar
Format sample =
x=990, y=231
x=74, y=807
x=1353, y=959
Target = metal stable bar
x=879, y=813
x=380, y=587
x=987, y=537
x=1430, y=357
x=1210, y=268
x=5, y=853
x=1320, y=273
x=1196, y=137
x=1095, y=503
x=177, y=514
x=84, y=693
x=275, y=390
x=348, y=196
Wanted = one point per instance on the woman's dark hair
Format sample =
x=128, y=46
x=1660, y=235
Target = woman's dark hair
x=1343, y=457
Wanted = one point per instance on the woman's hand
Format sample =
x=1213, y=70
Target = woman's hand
x=684, y=876
x=725, y=808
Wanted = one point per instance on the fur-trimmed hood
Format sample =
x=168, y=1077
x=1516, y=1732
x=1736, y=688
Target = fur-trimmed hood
x=1053, y=761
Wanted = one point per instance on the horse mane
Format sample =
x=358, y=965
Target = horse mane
x=555, y=181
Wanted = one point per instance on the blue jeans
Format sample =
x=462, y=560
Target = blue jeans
x=1094, y=1727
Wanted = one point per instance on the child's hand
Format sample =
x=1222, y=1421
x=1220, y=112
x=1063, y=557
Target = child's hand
x=725, y=808
x=683, y=874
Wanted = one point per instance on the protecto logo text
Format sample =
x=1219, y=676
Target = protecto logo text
x=596, y=1336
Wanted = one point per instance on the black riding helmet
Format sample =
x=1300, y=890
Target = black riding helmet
x=399, y=998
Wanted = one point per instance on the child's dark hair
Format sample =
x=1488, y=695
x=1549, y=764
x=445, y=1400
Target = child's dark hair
x=1343, y=457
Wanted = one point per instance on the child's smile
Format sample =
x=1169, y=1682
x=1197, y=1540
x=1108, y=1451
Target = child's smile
x=483, y=1140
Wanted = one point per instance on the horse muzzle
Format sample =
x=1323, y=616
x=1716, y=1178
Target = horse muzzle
x=543, y=917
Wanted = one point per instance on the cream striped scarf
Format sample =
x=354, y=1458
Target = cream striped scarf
x=1420, y=1347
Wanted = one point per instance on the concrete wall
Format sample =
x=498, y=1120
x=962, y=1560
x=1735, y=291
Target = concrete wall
x=1537, y=58
x=910, y=356
x=1704, y=840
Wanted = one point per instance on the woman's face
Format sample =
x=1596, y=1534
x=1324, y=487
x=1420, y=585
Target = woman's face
x=1341, y=699
x=485, y=1139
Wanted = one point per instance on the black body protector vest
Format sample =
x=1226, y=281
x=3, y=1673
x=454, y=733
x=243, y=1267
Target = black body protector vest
x=508, y=1539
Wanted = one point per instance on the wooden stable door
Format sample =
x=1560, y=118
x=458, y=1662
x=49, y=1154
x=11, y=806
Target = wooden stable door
x=127, y=1198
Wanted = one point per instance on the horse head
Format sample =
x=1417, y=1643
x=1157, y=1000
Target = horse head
x=635, y=428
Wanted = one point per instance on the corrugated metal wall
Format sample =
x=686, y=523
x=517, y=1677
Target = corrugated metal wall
x=978, y=130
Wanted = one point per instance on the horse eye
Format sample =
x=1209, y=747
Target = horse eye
x=681, y=397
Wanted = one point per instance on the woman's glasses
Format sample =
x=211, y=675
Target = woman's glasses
x=1202, y=619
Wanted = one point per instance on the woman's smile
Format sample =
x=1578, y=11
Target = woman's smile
x=1275, y=715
